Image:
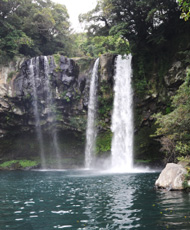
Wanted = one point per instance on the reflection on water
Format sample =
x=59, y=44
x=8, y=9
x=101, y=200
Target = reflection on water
x=122, y=201
x=88, y=200
x=175, y=206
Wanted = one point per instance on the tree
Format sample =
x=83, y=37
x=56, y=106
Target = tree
x=148, y=21
x=185, y=7
x=98, y=21
x=33, y=28
x=148, y=25
x=175, y=126
x=47, y=24
x=11, y=36
x=95, y=46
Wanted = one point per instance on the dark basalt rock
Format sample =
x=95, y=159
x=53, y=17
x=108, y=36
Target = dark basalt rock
x=156, y=98
x=82, y=83
x=59, y=83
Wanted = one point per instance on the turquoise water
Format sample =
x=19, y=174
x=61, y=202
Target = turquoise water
x=88, y=200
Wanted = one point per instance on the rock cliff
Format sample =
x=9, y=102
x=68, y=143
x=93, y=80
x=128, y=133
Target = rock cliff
x=50, y=91
x=47, y=97
x=154, y=96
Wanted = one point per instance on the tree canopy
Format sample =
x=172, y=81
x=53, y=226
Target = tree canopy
x=32, y=28
x=152, y=21
x=35, y=27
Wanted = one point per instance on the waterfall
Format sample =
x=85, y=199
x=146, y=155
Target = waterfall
x=91, y=131
x=122, y=118
x=33, y=71
x=41, y=83
x=51, y=112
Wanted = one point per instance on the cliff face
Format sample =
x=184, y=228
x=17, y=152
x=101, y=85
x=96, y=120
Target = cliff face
x=46, y=92
x=156, y=97
x=159, y=70
x=42, y=80
x=52, y=93
x=48, y=96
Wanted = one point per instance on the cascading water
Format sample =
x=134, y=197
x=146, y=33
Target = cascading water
x=122, y=118
x=33, y=70
x=51, y=112
x=91, y=131
x=40, y=79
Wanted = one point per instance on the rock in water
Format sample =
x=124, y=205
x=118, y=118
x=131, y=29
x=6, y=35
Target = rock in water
x=171, y=177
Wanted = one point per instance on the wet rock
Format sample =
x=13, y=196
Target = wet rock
x=67, y=80
x=107, y=66
x=64, y=106
x=176, y=75
x=55, y=84
x=4, y=105
x=172, y=177
x=15, y=166
x=18, y=111
x=32, y=167
x=82, y=83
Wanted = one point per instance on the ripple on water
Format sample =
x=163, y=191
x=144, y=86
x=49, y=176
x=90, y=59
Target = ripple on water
x=123, y=201
x=19, y=219
x=64, y=226
x=61, y=212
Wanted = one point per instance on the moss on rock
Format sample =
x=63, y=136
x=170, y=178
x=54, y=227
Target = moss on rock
x=18, y=164
x=103, y=143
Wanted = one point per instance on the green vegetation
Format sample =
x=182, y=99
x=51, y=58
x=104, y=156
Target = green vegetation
x=153, y=29
x=143, y=161
x=39, y=27
x=141, y=22
x=65, y=97
x=185, y=7
x=95, y=46
x=156, y=35
x=57, y=59
x=103, y=143
x=185, y=161
x=19, y=164
x=146, y=148
x=32, y=28
x=140, y=86
x=174, y=127
x=185, y=182
x=78, y=122
x=105, y=105
x=84, y=63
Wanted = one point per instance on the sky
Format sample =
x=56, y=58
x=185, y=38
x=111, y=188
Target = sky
x=76, y=7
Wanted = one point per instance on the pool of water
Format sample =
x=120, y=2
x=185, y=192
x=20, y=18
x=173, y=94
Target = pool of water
x=89, y=200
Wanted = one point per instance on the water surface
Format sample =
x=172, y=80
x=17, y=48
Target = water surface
x=89, y=200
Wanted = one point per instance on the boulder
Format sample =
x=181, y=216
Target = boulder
x=172, y=177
